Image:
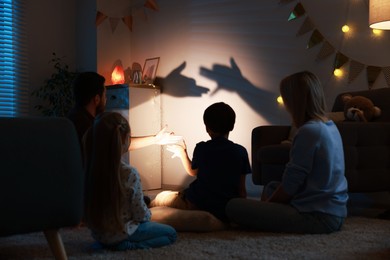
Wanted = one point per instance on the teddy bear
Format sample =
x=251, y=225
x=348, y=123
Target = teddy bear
x=359, y=108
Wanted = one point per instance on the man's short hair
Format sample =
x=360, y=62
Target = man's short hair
x=219, y=118
x=86, y=86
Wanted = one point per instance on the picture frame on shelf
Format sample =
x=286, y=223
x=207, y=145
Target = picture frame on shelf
x=149, y=70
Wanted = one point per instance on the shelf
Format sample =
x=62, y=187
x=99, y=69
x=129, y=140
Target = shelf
x=148, y=86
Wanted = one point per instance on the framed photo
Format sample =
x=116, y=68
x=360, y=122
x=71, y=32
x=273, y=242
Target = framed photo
x=149, y=70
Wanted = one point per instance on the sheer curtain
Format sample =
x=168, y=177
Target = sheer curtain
x=14, y=94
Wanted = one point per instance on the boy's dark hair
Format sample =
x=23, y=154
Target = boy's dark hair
x=219, y=118
x=86, y=86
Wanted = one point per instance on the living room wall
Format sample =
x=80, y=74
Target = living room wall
x=65, y=27
x=237, y=52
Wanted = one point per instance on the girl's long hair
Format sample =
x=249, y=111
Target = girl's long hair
x=104, y=193
x=303, y=97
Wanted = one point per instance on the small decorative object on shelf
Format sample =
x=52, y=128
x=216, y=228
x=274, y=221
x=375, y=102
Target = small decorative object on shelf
x=137, y=77
x=149, y=70
x=118, y=75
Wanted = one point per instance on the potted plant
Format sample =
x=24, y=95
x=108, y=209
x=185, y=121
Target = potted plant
x=56, y=94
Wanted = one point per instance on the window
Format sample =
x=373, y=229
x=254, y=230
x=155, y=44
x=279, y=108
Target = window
x=13, y=60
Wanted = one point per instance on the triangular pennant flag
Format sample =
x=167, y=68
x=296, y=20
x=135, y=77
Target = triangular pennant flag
x=326, y=50
x=285, y=1
x=297, y=12
x=316, y=38
x=307, y=26
x=386, y=72
x=339, y=60
x=355, y=68
x=151, y=4
x=372, y=75
x=128, y=20
x=100, y=17
x=113, y=23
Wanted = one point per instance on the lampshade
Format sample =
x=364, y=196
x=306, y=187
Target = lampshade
x=379, y=14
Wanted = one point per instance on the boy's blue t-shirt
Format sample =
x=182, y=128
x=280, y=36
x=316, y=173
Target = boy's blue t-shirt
x=220, y=164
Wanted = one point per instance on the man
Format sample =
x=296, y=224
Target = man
x=90, y=100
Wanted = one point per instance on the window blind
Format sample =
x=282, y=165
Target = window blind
x=14, y=94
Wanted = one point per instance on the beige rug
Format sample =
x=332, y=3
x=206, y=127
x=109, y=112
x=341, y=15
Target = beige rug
x=361, y=238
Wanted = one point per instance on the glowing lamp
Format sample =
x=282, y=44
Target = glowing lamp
x=379, y=14
x=345, y=28
x=280, y=100
x=118, y=75
x=338, y=72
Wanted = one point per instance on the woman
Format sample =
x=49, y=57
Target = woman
x=312, y=196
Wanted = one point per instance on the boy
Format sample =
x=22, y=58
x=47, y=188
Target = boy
x=220, y=167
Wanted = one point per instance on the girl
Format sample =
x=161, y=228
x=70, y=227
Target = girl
x=312, y=196
x=115, y=210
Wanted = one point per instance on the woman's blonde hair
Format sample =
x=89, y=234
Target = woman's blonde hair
x=303, y=97
x=104, y=192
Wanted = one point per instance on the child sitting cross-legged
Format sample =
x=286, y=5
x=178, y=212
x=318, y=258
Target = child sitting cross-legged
x=115, y=210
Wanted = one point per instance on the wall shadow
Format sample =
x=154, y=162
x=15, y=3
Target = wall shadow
x=177, y=85
x=231, y=79
x=228, y=78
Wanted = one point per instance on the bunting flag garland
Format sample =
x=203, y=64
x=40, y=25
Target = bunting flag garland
x=297, y=12
x=307, y=26
x=151, y=4
x=386, y=72
x=327, y=49
x=113, y=23
x=339, y=60
x=100, y=17
x=355, y=68
x=316, y=38
x=127, y=19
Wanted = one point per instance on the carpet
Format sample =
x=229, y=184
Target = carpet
x=360, y=238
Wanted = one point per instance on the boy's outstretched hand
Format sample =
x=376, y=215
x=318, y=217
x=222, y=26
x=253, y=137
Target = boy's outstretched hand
x=178, y=150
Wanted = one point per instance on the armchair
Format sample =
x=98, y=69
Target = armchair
x=41, y=178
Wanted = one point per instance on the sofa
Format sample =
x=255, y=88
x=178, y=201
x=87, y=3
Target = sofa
x=41, y=180
x=366, y=147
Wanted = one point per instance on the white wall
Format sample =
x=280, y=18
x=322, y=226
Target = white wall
x=237, y=52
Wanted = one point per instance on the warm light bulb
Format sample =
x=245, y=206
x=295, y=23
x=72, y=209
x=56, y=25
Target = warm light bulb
x=345, y=28
x=280, y=100
x=377, y=32
x=338, y=72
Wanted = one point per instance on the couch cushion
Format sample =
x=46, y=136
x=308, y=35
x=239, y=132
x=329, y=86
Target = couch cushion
x=367, y=155
x=279, y=153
